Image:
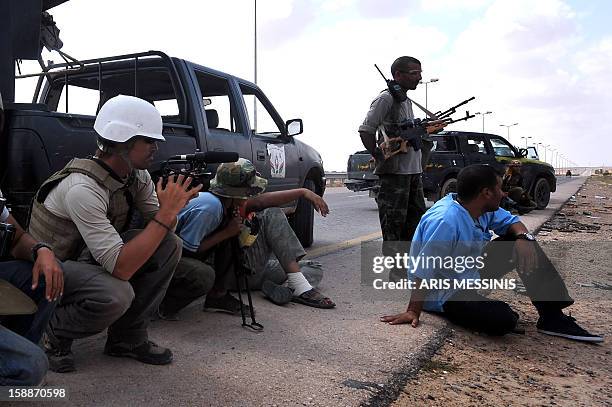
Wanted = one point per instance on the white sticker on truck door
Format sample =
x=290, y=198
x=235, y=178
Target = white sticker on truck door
x=277, y=160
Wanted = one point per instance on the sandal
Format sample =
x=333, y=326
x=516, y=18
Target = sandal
x=226, y=303
x=313, y=298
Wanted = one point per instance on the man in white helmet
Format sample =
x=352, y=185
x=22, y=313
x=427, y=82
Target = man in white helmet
x=114, y=277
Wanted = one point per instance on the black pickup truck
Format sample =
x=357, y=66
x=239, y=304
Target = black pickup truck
x=454, y=150
x=202, y=109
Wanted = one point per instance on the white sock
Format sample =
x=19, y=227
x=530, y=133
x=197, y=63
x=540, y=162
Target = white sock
x=298, y=283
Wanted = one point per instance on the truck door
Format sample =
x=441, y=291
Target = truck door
x=476, y=150
x=445, y=159
x=275, y=155
x=504, y=153
x=222, y=114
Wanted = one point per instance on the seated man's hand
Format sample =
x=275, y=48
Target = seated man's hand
x=47, y=265
x=319, y=204
x=408, y=317
x=175, y=195
x=527, y=257
x=435, y=126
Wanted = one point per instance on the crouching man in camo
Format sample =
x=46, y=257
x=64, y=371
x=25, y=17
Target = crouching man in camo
x=207, y=226
x=115, y=278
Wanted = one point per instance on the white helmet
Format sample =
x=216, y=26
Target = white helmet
x=124, y=117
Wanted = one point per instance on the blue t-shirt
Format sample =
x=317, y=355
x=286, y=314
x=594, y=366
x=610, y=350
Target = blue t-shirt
x=199, y=218
x=448, y=229
x=5, y=213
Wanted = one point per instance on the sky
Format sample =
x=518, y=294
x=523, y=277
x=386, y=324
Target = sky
x=546, y=64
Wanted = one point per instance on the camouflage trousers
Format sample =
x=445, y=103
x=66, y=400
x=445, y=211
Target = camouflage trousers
x=194, y=278
x=401, y=204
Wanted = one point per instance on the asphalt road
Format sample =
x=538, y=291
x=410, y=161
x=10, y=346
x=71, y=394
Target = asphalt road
x=305, y=356
x=353, y=217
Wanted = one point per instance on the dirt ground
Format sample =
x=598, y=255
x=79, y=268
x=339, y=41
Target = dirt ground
x=535, y=369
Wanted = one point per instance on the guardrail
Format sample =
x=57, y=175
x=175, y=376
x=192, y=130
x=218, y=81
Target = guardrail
x=335, y=179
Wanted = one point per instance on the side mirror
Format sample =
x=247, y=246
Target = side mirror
x=294, y=127
x=522, y=152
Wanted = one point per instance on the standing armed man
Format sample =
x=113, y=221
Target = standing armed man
x=401, y=202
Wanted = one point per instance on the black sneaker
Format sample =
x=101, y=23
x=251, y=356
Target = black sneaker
x=278, y=294
x=145, y=352
x=165, y=314
x=226, y=303
x=566, y=327
x=59, y=353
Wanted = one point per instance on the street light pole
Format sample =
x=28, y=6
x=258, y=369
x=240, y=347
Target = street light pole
x=255, y=67
x=432, y=80
x=552, y=160
x=483, y=117
x=507, y=126
x=527, y=137
x=544, y=145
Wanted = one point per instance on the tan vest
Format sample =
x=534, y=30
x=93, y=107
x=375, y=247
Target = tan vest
x=62, y=234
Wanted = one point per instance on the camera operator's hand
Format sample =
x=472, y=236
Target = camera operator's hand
x=435, y=126
x=175, y=195
x=233, y=226
x=317, y=202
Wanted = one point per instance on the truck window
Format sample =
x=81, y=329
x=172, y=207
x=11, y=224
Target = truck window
x=501, y=148
x=266, y=125
x=444, y=144
x=219, y=109
x=532, y=153
x=86, y=95
x=478, y=141
x=80, y=101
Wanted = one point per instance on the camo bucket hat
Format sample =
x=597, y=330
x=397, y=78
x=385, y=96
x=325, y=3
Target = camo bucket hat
x=237, y=180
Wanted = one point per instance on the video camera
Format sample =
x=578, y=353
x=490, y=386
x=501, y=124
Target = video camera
x=195, y=166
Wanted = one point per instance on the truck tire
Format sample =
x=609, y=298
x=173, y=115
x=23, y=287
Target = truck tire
x=302, y=220
x=541, y=193
x=450, y=185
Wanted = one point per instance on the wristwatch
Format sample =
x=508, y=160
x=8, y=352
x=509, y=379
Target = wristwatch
x=37, y=247
x=526, y=236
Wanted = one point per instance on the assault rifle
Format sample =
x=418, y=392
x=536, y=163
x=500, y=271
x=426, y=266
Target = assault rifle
x=411, y=131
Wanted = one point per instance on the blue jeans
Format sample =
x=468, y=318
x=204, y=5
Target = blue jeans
x=19, y=274
x=22, y=363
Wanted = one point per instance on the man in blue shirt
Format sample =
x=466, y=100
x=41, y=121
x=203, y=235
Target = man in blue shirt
x=210, y=222
x=36, y=273
x=458, y=227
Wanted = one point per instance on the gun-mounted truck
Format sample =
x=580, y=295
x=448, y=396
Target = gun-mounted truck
x=453, y=150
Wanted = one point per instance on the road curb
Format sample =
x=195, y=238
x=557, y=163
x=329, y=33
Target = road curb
x=556, y=211
x=388, y=394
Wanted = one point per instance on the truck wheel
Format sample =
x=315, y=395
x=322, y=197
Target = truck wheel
x=541, y=193
x=450, y=185
x=302, y=220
